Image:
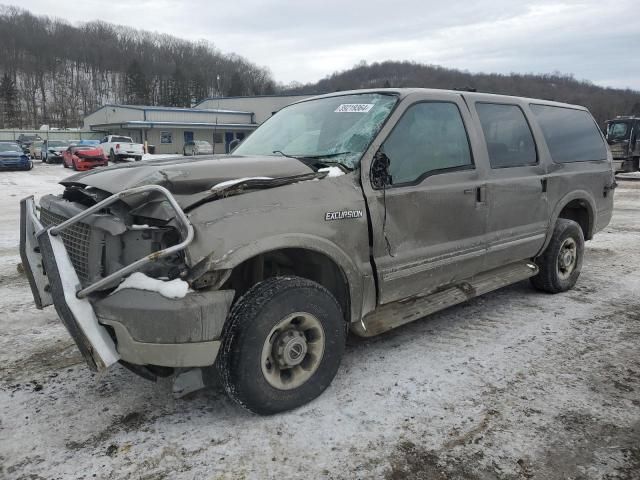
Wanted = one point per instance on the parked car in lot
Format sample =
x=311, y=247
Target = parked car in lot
x=360, y=210
x=13, y=158
x=35, y=150
x=25, y=141
x=623, y=136
x=52, y=150
x=84, y=157
x=197, y=147
x=117, y=147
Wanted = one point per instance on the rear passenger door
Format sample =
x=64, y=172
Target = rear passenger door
x=518, y=209
x=429, y=224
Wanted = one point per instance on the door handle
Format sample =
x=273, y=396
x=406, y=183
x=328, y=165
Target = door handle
x=543, y=182
x=480, y=193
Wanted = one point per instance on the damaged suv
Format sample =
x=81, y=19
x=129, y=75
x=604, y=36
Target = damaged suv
x=360, y=211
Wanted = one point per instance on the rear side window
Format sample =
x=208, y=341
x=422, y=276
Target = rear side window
x=430, y=137
x=508, y=136
x=571, y=135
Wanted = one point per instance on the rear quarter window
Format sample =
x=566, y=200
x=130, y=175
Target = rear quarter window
x=571, y=135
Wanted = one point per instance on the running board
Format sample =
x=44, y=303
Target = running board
x=398, y=313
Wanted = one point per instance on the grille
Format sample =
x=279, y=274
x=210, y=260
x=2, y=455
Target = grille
x=76, y=241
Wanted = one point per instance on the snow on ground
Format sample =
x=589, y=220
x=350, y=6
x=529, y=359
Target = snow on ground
x=513, y=385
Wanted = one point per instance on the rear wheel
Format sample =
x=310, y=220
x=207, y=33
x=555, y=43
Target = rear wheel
x=138, y=158
x=112, y=156
x=282, y=345
x=561, y=262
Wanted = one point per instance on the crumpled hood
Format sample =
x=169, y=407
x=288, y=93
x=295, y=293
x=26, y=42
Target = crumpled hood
x=188, y=178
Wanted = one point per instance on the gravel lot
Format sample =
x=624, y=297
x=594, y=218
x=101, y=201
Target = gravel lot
x=514, y=385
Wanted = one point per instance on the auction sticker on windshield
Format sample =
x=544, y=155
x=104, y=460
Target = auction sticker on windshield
x=354, y=108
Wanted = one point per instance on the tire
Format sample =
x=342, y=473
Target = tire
x=112, y=157
x=267, y=328
x=137, y=159
x=74, y=166
x=64, y=164
x=561, y=262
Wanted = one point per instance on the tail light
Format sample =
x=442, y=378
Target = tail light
x=117, y=146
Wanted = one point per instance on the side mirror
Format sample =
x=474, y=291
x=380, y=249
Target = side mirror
x=233, y=144
x=379, y=175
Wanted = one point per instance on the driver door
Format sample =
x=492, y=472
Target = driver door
x=430, y=222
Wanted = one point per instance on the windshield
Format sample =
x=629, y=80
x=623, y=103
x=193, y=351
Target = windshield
x=57, y=143
x=617, y=131
x=10, y=147
x=337, y=128
x=121, y=139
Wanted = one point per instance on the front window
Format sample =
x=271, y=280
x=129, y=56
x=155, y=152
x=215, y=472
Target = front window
x=335, y=128
x=618, y=131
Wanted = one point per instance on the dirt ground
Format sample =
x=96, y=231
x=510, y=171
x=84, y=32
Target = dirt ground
x=514, y=385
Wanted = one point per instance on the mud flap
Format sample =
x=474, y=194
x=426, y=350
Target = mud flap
x=93, y=340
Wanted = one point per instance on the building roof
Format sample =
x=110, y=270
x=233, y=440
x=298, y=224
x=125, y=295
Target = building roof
x=170, y=109
x=144, y=124
x=254, y=96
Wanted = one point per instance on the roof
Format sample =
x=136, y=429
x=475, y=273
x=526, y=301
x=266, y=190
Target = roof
x=170, y=109
x=154, y=124
x=404, y=92
x=254, y=96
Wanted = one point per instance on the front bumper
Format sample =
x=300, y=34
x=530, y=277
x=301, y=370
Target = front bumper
x=83, y=165
x=136, y=326
x=53, y=280
x=15, y=164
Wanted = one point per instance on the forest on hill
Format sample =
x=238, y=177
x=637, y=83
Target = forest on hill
x=604, y=103
x=52, y=72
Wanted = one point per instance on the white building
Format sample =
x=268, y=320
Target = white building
x=216, y=120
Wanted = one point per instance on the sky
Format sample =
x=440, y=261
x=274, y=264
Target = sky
x=305, y=41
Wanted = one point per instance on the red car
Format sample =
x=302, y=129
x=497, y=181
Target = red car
x=83, y=157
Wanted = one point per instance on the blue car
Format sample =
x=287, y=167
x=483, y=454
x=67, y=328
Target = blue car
x=13, y=158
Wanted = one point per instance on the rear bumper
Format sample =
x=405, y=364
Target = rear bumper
x=137, y=326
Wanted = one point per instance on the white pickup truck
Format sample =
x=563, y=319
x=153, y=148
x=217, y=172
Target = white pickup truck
x=117, y=147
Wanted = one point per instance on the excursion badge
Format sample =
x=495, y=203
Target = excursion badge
x=343, y=214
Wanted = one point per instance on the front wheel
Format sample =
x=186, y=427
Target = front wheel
x=282, y=345
x=75, y=166
x=561, y=262
x=112, y=157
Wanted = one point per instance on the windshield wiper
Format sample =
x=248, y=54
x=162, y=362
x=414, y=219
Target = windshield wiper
x=326, y=155
x=317, y=159
x=311, y=157
x=285, y=154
